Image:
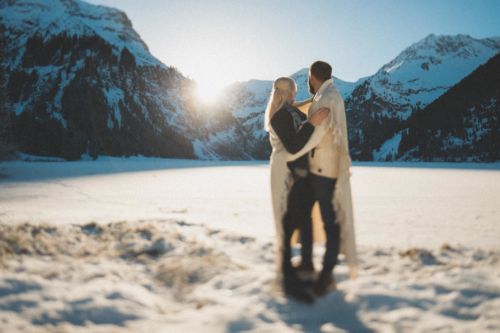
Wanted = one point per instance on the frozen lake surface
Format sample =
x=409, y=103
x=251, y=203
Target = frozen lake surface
x=408, y=205
x=134, y=245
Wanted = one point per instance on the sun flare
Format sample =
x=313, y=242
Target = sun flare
x=208, y=92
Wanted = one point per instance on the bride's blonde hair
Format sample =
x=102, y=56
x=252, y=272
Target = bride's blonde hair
x=283, y=87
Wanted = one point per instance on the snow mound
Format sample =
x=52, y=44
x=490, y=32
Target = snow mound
x=159, y=275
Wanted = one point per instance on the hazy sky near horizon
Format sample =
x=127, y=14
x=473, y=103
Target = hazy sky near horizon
x=220, y=41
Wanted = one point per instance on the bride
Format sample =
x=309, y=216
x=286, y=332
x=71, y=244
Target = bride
x=289, y=131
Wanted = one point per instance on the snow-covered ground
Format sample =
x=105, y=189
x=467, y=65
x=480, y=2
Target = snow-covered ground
x=160, y=245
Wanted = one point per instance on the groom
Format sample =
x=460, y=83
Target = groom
x=324, y=167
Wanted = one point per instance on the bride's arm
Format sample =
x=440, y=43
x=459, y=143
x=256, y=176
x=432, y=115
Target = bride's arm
x=320, y=130
x=283, y=125
x=314, y=140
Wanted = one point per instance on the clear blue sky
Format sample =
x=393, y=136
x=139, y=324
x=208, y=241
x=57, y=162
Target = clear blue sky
x=220, y=41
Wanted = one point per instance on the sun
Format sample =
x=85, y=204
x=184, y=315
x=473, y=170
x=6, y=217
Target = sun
x=208, y=92
x=213, y=67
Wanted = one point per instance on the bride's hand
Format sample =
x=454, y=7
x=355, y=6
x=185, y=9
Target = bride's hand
x=319, y=116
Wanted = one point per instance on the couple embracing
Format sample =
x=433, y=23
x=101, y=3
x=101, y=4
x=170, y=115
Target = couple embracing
x=310, y=163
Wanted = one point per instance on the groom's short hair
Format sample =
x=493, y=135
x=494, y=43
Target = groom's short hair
x=321, y=70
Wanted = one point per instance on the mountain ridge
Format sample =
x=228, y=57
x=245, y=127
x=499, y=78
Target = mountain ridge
x=415, y=77
x=461, y=120
x=82, y=81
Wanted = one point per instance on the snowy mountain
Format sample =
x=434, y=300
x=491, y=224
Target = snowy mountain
x=81, y=81
x=416, y=77
x=52, y=18
x=345, y=88
x=461, y=125
x=234, y=126
x=244, y=106
x=377, y=106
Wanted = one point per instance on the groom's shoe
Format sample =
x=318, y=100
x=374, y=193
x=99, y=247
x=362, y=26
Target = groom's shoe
x=297, y=289
x=304, y=267
x=324, y=284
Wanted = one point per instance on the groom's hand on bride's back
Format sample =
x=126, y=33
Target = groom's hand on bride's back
x=319, y=116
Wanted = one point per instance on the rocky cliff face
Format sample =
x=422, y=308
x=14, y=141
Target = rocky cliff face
x=461, y=125
x=81, y=81
x=377, y=109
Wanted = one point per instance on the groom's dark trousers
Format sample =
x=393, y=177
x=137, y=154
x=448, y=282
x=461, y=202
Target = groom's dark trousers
x=322, y=189
x=298, y=216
